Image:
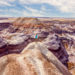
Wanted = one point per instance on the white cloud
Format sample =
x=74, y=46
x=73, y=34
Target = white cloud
x=6, y=2
x=1, y=10
x=5, y=16
x=27, y=14
x=2, y=3
x=62, y=5
x=43, y=8
x=31, y=9
x=16, y=13
x=33, y=12
x=10, y=13
x=65, y=6
x=10, y=10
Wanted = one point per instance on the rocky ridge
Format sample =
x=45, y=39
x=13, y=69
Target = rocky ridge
x=32, y=61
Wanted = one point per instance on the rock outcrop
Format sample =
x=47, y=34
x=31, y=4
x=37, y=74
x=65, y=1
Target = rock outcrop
x=65, y=29
x=12, y=43
x=4, y=25
x=55, y=45
x=35, y=59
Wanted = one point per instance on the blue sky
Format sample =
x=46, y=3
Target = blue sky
x=37, y=8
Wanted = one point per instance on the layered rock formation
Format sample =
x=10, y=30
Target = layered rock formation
x=15, y=43
x=55, y=45
x=65, y=29
x=12, y=43
x=35, y=59
x=23, y=23
x=56, y=35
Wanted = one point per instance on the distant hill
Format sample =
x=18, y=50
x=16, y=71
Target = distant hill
x=3, y=18
x=28, y=23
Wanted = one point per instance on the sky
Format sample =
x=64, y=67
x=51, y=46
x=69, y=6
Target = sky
x=37, y=8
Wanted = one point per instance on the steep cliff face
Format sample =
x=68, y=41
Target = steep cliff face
x=69, y=44
x=35, y=59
